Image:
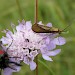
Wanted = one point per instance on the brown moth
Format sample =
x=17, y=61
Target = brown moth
x=45, y=29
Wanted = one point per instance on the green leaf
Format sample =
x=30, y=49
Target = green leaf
x=45, y=65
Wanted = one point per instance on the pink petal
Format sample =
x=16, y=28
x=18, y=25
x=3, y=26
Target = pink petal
x=53, y=53
x=59, y=41
x=46, y=57
x=32, y=65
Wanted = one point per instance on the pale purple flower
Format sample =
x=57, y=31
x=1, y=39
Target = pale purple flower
x=26, y=44
x=59, y=41
x=8, y=71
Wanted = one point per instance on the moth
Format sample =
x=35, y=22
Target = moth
x=45, y=29
x=5, y=59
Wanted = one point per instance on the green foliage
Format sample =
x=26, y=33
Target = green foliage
x=60, y=13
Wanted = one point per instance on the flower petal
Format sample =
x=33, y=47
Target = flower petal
x=53, y=53
x=59, y=41
x=46, y=57
x=7, y=71
x=49, y=24
x=48, y=47
x=32, y=65
x=51, y=46
x=47, y=40
x=19, y=27
x=4, y=40
x=28, y=25
x=17, y=68
x=26, y=60
x=9, y=34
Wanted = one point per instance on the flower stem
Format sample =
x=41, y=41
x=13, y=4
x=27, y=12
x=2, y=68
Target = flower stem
x=37, y=65
x=19, y=8
x=36, y=20
x=36, y=11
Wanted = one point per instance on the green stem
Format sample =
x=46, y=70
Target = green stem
x=37, y=65
x=19, y=8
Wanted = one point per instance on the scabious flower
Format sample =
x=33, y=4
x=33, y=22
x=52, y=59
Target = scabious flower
x=26, y=44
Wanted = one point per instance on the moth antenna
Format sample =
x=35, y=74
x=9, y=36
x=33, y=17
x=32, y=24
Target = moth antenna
x=9, y=45
x=12, y=68
x=18, y=64
x=68, y=25
x=14, y=57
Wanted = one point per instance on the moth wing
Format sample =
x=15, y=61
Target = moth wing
x=49, y=28
x=54, y=29
x=45, y=27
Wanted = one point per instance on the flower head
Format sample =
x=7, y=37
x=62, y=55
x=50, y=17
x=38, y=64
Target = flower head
x=26, y=44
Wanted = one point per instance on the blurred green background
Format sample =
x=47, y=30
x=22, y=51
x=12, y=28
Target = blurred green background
x=61, y=13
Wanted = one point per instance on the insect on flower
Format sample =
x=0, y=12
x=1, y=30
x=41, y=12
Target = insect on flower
x=5, y=59
x=41, y=28
x=38, y=28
